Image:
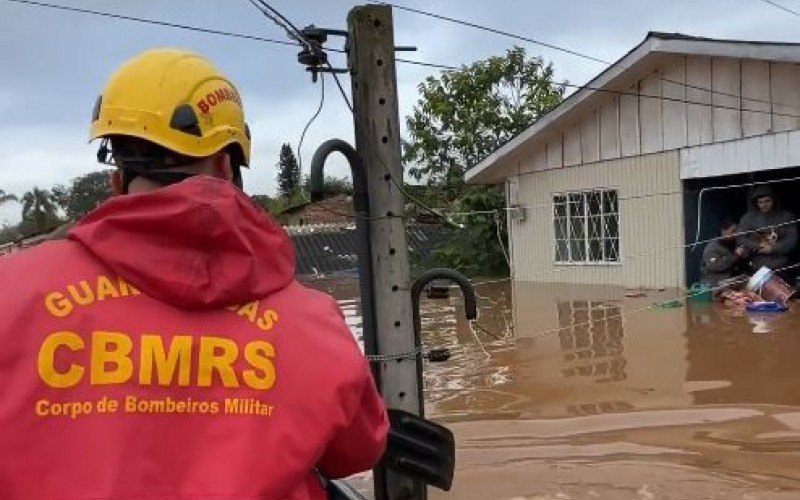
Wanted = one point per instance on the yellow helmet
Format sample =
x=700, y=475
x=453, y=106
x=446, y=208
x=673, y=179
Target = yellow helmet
x=176, y=99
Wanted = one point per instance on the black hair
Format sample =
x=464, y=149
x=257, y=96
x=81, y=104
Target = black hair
x=727, y=223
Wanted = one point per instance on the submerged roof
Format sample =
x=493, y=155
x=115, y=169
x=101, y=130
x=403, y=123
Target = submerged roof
x=614, y=77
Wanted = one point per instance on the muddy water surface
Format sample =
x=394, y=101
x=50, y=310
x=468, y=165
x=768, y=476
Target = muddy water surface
x=586, y=393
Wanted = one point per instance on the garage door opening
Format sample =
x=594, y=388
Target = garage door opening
x=720, y=201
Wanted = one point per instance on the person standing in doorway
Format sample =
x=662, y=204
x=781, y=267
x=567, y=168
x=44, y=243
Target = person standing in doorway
x=767, y=233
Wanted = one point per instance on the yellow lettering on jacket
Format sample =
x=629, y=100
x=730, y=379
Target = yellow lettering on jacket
x=116, y=358
x=259, y=354
x=58, y=305
x=267, y=320
x=126, y=289
x=47, y=355
x=111, y=348
x=87, y=292
x=217, y=354
x=105, y=288
x=153, y=356
x=249, y=311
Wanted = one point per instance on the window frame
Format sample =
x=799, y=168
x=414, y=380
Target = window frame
x=585, y=217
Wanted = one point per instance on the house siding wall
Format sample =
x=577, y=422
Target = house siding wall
x=749, y=98
x=651, y=222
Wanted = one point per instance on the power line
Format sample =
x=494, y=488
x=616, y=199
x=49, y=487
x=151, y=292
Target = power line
x=495, y=31
x=152, y=22
x=295, y=44
x=623, y=92
x=263, y=9
x=313, y=117
x=293, y=32
x=554, y=47
x=279, y=19
x=781, y=7
x=341, y=90
x=727, y=94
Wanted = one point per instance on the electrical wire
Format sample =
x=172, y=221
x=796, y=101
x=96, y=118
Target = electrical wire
x=551, y=46
x=401, y=60
x=151, y=21
x=729, y=186
x=279, y=19
x=341, y=89
x=622, y=92
x=493, y=30
x=727, y=94
x=294, y=33
x=500, y=238
x=782, y=7
x=314, y=117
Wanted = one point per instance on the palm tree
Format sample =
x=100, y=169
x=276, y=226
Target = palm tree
x=39, y=210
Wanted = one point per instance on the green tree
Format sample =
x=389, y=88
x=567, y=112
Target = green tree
x=83, y=195
x=9, y=234
x=480, y=247
x=332, y=185
x=262, y=200
x=288, y=172
x=39, y=212
x=464, y=115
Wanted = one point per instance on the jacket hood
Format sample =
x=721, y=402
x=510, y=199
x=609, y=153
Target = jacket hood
x=762, y=190
x=197, y=244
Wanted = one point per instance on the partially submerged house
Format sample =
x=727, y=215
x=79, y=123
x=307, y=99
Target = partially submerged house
x=607, y=185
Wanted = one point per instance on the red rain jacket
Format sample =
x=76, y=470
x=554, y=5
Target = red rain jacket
x=164, y=351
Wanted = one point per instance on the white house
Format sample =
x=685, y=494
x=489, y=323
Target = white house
x=608, y=183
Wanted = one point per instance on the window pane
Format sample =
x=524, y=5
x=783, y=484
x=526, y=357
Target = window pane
x=610, y=203
x=576, y=204
x=562, y=254
x=596, y=227
x=577, y=230
x=560, y=226
x=595, y=250
x=578, y=251
x=611, y=226
x=594, y=202
x=612, y=249
x=560, y=206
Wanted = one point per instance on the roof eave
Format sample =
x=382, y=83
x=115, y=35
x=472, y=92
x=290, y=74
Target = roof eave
x=474, y=174
x=663, y=43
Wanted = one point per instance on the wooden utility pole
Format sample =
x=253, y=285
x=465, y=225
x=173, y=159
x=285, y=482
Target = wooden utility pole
x=374, y=80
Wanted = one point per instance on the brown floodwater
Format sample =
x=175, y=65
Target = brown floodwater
x=579, y=392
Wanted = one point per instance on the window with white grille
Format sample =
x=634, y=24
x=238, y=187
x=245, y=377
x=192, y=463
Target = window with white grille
x=586, y=225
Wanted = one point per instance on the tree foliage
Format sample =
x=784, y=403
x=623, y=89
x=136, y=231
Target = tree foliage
x=83, y=195
x=464, y=115
x=39, y=212
x=332, y=186
x=479, y=248
x=288, y=172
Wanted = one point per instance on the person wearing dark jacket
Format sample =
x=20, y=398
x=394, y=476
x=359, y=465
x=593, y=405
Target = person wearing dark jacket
x=720, y=260
x=768, y=234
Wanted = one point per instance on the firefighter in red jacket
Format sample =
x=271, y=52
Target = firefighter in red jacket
x=164, y=349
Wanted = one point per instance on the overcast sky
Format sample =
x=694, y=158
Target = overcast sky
x=55, y=63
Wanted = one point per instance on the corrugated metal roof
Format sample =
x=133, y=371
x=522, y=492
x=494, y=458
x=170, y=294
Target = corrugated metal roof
x=331, y=249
